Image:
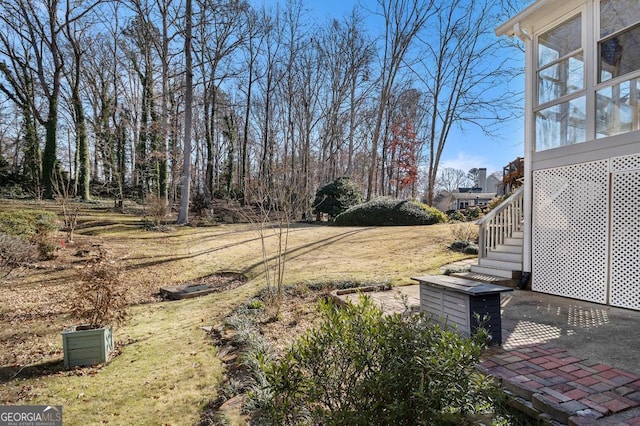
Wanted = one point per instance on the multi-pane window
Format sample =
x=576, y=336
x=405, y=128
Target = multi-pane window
x=561, y=124
x=561, y=108
x=562, y=115
x=617, y=97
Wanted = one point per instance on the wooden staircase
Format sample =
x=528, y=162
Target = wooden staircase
x=500, y=243
x=504, y=260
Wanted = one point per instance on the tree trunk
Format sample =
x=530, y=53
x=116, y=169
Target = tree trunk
x=84, y=166
x=32, y=162
x=183, y=214
x=49, y=157
x=164, y=133
x=244, y=169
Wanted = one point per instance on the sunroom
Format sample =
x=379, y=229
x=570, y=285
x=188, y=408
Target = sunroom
x=581, y=225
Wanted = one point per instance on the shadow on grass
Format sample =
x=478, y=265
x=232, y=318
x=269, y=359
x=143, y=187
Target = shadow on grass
x=9, y=373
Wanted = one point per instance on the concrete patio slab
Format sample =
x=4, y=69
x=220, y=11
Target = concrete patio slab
x=394, y=300
x=598, y=332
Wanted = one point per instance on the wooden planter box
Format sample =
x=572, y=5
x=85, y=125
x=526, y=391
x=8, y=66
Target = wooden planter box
x=86, y=346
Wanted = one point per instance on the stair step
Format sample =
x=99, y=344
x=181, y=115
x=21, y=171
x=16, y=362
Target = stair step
x=505, y=256
x=500, y=264
x=503, y=248
x=518, y=234
x=495, y=272
x=492, y=279
x=513, y=241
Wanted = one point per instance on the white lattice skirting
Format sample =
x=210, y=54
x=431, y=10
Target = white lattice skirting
x=586, y=231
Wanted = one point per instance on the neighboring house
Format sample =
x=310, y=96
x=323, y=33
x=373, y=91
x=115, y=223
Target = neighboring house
x=443, y=201
x=463, y=198
x=494, y=185
x=581, y=196
x=446, y=201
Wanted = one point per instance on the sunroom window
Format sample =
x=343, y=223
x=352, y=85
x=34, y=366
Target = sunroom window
x=561, y=110
x=617, y=97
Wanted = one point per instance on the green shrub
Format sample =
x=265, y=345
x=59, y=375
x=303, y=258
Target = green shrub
x=200, y=204
x=463, y=246
x=26, y=223
x=336, y=197
x=459, y=245
x=471, y=249
x=450, y=270
x=13, y=191
x=389, y=212
x=361, y=367
x=255, y=304
x=433, y=211
x=472, y=213
x=38, y=227
x=457, y=216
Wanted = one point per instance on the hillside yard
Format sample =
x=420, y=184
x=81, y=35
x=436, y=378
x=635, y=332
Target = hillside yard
x=166, y=369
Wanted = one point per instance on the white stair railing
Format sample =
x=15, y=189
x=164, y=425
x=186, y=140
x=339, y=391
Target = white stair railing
x=501, y=222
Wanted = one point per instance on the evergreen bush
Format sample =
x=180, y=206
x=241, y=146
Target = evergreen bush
x=456, y=216
x=25, y=223
x=360, y=367
x=336, y=197
x=459, y=245
x=473, y=213
x=471, y=249
x=37, y=227
x=390, y=212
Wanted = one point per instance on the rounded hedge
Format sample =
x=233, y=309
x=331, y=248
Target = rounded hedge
x=337, y=196
x=390, y=212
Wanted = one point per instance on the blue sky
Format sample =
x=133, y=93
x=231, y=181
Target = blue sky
x=464, y=149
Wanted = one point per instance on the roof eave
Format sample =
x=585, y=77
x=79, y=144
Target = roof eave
x=512, y=26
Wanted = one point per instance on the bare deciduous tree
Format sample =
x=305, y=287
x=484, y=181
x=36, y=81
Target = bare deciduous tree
x=345, y=54
x=31, y=41
x=221, y=31
x=459, y=68
x=268, y=97
x=450, y=179
x=76, y=35
x=403, y=21
x=277, y=204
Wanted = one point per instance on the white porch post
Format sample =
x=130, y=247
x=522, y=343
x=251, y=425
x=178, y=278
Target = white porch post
x=529, y=138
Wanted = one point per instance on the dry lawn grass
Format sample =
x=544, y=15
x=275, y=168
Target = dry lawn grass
x=167, y=368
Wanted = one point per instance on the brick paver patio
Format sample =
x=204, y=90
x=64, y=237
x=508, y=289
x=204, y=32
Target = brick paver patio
x=547, y=380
